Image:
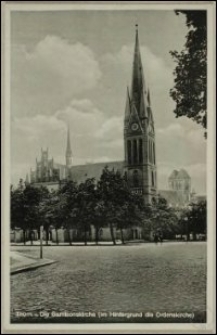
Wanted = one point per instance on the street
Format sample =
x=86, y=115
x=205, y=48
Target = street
x=169, y=278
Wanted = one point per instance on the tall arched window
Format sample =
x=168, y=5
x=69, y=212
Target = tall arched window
x=154, y=153
x=135, y=153
x=152, y=178
x=129, y=152
x=150, y=152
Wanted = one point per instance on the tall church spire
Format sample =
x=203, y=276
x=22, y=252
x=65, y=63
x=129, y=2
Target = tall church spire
x=68, y=150
x=139, y=136
x=137, y=76
x=138, y=89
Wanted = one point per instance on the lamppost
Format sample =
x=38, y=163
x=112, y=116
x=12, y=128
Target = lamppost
x=41, y=241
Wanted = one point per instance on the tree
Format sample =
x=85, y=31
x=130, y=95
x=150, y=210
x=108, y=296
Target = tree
x=45, y=213
x=99, y=214
x=189, y=91
x=160, y=219
x=193, y=220
x=86, y=205
x=69, y=194
x=197, y=218
x=119, y=203
x=25, y=209
x=17, y=210
x=57, y=212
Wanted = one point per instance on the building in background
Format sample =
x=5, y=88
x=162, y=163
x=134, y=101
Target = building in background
x=49, y=173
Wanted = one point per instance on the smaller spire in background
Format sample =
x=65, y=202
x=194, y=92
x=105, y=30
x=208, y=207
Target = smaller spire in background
x=68, y=149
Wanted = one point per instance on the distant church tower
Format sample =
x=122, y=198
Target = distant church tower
x=139, y=134
x=68, y=151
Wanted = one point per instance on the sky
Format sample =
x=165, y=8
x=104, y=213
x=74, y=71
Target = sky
x=73, y=67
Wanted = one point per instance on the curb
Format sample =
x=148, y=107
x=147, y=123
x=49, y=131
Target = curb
x=32, y=266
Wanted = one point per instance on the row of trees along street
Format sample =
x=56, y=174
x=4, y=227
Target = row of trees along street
x=105, y=203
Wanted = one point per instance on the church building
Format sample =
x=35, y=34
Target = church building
x=139, y=145
x=139, y=151
x=139, y=134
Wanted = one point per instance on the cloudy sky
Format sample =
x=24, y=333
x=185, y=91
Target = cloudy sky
x=74, y=67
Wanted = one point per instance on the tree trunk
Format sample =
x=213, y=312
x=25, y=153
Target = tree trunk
x=194, y=236
x=187, y=232
x=70, y=241
x=31, y=235
x=122, y=236
x=97, y=235
x=85, y=237
x=57, y=241
x=24, y=237
x=47, y=235
x=112, y=233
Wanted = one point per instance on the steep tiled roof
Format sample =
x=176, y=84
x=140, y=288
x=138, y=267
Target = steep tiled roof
x=81, y=172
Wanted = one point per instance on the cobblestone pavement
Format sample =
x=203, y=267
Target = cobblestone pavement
x=22, y=262
x=146, y=277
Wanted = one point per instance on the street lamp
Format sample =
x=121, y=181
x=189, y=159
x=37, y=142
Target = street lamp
x=41, y=241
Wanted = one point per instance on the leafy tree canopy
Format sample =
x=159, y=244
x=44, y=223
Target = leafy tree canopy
x=190, y=84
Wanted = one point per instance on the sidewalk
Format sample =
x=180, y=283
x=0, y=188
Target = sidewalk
x=50, y=243
x=21, y=263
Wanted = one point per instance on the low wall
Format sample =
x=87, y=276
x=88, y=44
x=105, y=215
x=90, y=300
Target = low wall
x=65, y=236
x=18, y=236
x=58, y=235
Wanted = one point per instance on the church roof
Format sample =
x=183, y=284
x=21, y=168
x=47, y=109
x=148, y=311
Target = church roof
x=81, y=172
x=174, y=174
x=183, y=174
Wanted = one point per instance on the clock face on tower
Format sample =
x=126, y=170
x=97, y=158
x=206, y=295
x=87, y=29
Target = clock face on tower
x=134, y=126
